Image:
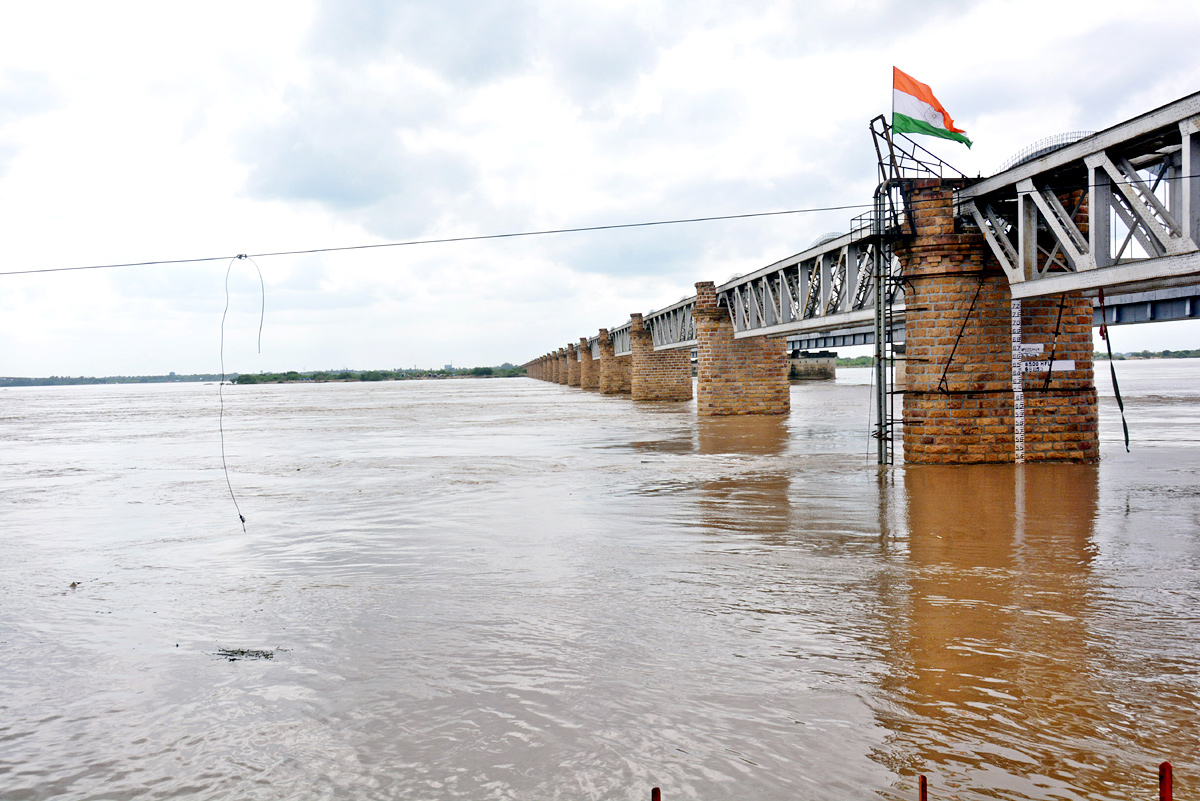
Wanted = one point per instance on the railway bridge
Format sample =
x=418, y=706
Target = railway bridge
x=988, y=289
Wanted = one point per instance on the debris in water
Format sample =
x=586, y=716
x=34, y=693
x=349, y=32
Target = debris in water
x=234, y=654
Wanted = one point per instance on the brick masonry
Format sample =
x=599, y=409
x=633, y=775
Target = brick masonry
x=589, y=368
x=572, y=366
x=657, y=375
x=609, y=383
x=736, y=376
x=622, y=374
x=958, y=401
x=614, y=370
x=560, y=374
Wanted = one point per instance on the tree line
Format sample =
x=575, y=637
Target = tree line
x=63, y=380
x=1153, y=354
x=505, y=370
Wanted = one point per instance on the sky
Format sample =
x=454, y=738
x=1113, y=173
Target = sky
x=133, y=132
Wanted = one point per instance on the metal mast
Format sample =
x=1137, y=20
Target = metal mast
x=901, y=161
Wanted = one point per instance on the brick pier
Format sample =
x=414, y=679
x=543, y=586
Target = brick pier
x=614, y=370
x=589, y=368
x=572, y=366
x=736, y=376
x=657, y=375
x=560, y=372
x=958, y=400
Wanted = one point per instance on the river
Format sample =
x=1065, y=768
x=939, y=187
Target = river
x=509, y=589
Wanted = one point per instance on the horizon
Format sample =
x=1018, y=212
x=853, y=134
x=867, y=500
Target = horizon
x=311, y=125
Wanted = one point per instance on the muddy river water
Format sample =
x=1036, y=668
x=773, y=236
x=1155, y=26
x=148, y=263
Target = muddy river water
x=508, y=589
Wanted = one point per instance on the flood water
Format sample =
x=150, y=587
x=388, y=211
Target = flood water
x=508, y=589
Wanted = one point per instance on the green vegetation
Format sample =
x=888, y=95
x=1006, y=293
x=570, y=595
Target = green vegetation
x=62, y=380
x=505, y=370
x=857, y=361
x=1151, y=354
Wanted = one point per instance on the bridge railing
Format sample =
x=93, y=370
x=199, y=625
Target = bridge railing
x=826, y=287
x=673, y=327
x=622, y=344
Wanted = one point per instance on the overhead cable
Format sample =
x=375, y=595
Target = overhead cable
x=446, y=240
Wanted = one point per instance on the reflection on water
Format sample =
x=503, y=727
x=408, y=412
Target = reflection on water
x=991, y=653
x=508, y=589
x=752, y=500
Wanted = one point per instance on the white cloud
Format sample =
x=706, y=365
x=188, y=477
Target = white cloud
x=137, y=131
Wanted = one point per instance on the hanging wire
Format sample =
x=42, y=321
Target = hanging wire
x=1113, y=369
x=485, y=237
x=221, y=385
x=870, y=419
x=943, y=384
x=1062, y=304
x=478, y=238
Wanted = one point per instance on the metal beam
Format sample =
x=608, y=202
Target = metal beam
x=1151, y=121
x=1128, y=276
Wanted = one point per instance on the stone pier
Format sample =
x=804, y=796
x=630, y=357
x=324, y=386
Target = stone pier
x=561, y=371
x=806, y=366
x=589, y=369
x=959, y=398
x=736, y=376
x=657, y=375
x=572, y=366
x=614, y=370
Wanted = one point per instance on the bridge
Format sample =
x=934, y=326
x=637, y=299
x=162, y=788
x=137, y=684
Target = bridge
x=993, y=285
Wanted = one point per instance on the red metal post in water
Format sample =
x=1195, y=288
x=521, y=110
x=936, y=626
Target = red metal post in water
x=656, y=794
x=922, y=791
x=1164, y=782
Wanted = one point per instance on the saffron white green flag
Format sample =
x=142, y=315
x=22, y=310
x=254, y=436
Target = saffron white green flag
x=916, y=110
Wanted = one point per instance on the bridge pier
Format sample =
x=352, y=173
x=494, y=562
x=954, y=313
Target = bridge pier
x=560, y=372
x=589, y=368
x=614, y=370
x=960, y=325
x=736, y=376
x=657, y=375
x=572, y=366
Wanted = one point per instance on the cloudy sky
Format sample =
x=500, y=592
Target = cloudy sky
x=140, y=131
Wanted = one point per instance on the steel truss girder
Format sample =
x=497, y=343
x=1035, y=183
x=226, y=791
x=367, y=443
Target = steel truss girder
x=828, y=281
x=1136, y=182
x=826, y=286
x=673, y=327
x=621, y=341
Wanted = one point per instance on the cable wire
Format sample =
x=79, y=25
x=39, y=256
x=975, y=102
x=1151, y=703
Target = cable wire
x=221, y=385
x=485, y=237
x=446, y=240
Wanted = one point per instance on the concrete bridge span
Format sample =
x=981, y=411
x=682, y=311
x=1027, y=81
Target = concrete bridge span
x=993, y=285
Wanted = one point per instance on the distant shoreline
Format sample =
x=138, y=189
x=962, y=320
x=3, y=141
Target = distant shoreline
x=504, y=371
x=867, y=361
x=290, y=377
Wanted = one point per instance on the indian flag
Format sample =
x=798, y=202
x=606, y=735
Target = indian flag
x=916, y=110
